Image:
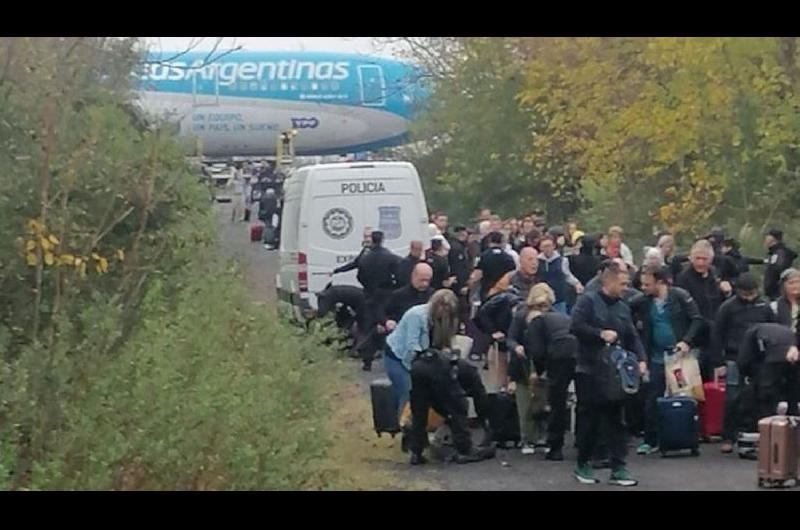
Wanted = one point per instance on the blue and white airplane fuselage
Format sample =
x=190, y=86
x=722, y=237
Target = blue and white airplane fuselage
x=240, y=103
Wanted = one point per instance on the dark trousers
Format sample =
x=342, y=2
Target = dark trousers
x=373, y=310
x=559, y=375
x=777, y=382
x=596, y=414
x=654, y=390
x=732, y=419
x=432, y=387
x=470, y=381
x=463, y=310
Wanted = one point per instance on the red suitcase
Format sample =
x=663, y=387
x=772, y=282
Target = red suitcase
x=256, y=231
x=712, y=410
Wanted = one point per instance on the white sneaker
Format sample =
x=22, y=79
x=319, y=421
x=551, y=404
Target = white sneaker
x=528, y=449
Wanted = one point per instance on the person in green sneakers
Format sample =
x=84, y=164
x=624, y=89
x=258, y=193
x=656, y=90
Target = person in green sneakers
x=669, y=320
x=598, y=320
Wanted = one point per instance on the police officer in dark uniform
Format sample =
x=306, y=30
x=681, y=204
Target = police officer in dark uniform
x=377, y=272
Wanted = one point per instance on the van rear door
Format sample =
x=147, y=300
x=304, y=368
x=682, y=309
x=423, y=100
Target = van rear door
x=344, y=201
x=335, y=227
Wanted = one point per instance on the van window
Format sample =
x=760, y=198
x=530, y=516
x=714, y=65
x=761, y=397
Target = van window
x=390, y=222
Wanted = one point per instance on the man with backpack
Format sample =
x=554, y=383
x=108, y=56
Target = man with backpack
x=599, y=321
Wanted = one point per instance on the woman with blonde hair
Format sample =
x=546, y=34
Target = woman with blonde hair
x=422, y=342
x=543, y=364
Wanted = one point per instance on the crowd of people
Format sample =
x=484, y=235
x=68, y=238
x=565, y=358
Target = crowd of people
x=553, y=300
x=257, y=192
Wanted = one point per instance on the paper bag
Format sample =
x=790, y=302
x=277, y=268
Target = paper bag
x=463, y=344
x=498, y=368
x=683, y=377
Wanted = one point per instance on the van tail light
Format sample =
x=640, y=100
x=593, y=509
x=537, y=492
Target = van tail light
x=302, y=272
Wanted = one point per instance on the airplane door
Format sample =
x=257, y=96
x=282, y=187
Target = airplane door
x=373, y=85
x=205, y=88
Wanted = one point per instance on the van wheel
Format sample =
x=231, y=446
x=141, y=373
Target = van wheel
x=695, y=452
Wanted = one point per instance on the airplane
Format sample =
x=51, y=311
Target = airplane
x=240, y=103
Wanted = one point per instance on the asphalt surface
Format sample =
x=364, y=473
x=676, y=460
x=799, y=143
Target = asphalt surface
x=510, y=470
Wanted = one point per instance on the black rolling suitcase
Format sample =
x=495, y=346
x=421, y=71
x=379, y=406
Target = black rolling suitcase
x=384, y=407
x=678, y=425
x=503, y=418
x=270, y=235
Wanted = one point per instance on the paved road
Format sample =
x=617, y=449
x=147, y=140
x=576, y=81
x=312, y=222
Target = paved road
x=710, y=471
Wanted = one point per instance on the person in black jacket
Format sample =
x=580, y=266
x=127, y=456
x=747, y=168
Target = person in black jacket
x=769, y=357
x=668, y=320
x=417, y=292
x=730, y=247
x=408, y=263
x=708, y=293
x=787, y=307
x=377, y=270
x=599, y=319
x=779, y=258
x=544, y=350
x=461, y=268
x=442, y=279
x=736, y=315
x=347, y=301
x=493, y=265
x=585, y=264
x=726, y=267
x=458, y=258
x=366, y=243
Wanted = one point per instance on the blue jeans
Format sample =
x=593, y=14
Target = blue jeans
x=561, y=307
x=400, y=378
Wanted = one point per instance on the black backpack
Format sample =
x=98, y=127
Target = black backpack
x=617, y=373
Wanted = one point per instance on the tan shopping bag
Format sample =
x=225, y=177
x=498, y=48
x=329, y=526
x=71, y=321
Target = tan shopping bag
x=683, y=377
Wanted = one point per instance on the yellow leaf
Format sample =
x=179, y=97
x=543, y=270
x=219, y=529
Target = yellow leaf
x=46, y=245
x=78, y=262
x=120, y=254
x=34, y=226
x=31, y=259
x=30, y=246
x=83, y=269
x=54, y=240
x=49, y=259
x=66, y=259
x=95, y=256
x=103, y=265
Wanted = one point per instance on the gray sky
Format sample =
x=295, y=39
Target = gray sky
x=333, y=44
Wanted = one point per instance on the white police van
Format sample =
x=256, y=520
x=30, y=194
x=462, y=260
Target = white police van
x=325, y=211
